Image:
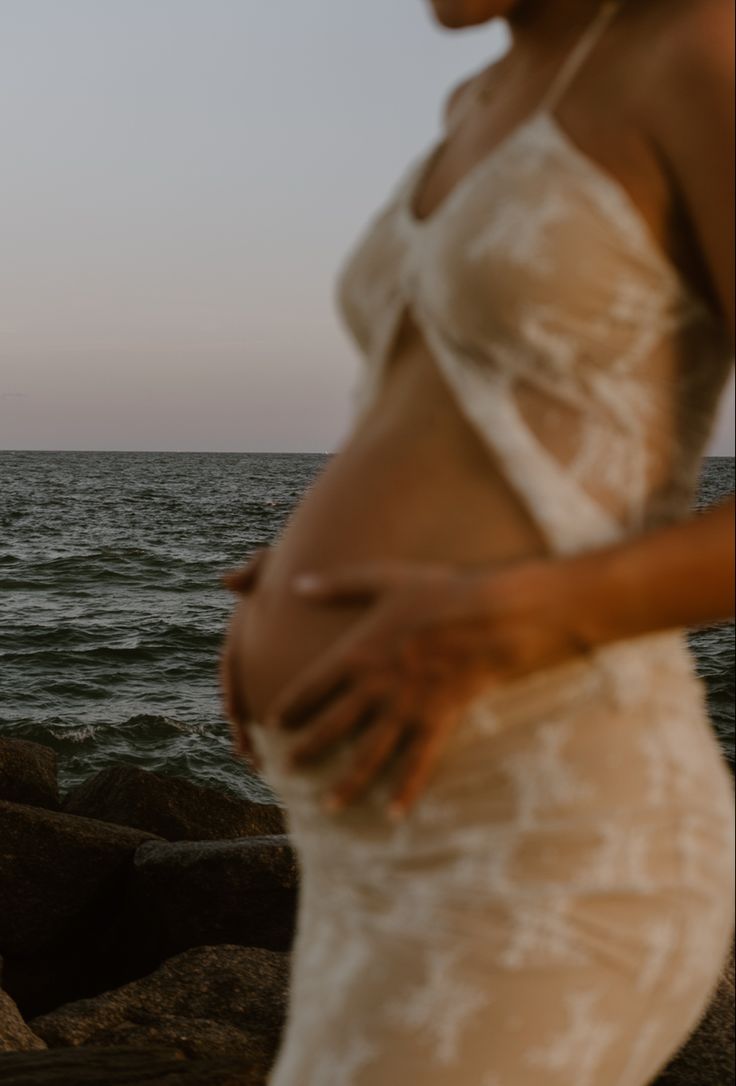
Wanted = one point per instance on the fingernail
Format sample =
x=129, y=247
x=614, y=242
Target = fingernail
x=307, y=582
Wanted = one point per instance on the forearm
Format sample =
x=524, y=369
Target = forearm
x=681, y=575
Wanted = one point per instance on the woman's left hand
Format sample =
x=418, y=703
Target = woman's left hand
x=432, y=638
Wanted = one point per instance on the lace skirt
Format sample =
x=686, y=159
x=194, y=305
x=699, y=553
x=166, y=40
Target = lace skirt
x=555, y=910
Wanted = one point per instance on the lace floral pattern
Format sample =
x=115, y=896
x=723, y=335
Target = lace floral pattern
x=555, y=910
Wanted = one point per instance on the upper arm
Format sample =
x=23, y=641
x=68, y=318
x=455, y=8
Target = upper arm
x=693, y=122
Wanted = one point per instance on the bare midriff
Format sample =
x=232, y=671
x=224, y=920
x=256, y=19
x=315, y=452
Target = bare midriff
x=413, y=482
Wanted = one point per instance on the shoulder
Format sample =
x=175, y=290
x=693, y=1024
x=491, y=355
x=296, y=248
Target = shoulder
x=690, y=85
x=689, y=107
x=459, y=98
x=692, y=62
x=693, y=26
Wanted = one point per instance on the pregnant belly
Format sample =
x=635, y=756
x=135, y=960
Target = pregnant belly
x=411, y=482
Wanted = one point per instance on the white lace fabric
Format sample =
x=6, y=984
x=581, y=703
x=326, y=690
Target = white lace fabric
x=572, y=344
x=556, y=909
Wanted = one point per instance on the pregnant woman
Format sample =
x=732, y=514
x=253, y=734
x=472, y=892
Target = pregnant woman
x=513, y=821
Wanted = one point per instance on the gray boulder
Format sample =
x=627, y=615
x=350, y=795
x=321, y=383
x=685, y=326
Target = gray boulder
x=62, y=887
x=123, y=1066
x=188, y=894
x=209, y=1001
x=54, y=869
x=28, y=773
x=170, y=807
x=15, y=1035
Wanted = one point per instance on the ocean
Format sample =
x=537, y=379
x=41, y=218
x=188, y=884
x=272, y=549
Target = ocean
x=112, y=612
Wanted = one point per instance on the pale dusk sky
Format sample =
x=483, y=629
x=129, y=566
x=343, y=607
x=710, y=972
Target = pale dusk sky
x=181, y=181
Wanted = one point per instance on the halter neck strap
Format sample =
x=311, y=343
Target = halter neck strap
x=578, y=54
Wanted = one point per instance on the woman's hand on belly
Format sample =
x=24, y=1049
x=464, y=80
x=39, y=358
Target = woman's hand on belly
x=432, y=638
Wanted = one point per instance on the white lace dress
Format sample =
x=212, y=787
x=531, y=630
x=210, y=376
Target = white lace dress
x=556, y=909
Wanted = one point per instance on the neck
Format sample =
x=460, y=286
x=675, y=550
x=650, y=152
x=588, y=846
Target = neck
x=535, y=20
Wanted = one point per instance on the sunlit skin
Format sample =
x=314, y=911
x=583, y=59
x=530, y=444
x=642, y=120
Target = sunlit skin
x=430, y=634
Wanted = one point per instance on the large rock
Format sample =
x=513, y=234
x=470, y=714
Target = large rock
x=189, y=1036
x=63, y=881
x=121, y=1066
x=170, y=807
x=208, y=1001
x=707, y=1058
x=28, y=773
x=205, y=893
x=15, y=1036
x=55, y=870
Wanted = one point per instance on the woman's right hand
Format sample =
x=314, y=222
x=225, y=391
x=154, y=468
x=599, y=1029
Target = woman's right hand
x=238, y=713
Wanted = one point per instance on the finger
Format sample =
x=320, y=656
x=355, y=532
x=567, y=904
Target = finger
x=348, y=584
x=421, y=759
x=372, y=752
x=241, y=580
x=324, y=679
x=246, y=749
x=242, y=744
x=343, y=717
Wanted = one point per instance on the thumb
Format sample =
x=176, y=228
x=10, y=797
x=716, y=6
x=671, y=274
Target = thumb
x=344, y=585
x=241, y=580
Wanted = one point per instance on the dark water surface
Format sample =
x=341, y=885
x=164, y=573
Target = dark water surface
x=111, y=612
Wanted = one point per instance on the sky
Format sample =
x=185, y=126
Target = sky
x=181, y=182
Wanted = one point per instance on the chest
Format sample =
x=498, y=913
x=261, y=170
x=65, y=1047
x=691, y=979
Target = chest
x=533, y=227
x=617, y=148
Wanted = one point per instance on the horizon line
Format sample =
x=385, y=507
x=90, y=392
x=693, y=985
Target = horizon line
x=240, y=452
x=186, y=452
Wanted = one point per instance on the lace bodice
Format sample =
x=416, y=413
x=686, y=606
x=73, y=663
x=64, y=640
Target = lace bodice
x=589, y=367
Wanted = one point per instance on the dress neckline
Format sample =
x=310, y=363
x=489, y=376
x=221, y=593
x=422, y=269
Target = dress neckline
x=426, y=163
x=541, y=122
x=544, y=108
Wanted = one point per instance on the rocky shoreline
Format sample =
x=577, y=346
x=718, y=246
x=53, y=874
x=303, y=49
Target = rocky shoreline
x=145, y=927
